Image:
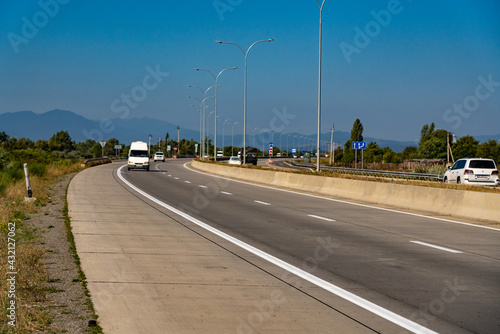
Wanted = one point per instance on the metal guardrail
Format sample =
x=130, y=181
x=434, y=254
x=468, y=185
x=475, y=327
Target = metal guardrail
x=379, y=173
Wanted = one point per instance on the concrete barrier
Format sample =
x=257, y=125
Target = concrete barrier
x=445, y=202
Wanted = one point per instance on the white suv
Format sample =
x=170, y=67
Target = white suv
x=473, y=171
x=159, y=156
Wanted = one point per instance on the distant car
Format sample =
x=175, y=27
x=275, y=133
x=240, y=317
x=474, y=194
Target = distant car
x=234, y=161
x=159, y=156
x=473, y=171
x=220, y=154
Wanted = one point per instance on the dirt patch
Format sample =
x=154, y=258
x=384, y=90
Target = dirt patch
x=66, y=298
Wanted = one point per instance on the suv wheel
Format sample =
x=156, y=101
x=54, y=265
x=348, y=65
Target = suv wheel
x=458, y=180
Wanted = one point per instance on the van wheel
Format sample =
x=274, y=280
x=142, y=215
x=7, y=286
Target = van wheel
x=459, y=181
x=445, y=180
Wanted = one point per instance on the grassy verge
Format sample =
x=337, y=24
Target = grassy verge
x=23, y=276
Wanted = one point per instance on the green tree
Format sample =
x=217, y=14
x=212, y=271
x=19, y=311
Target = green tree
x=465, y=147
x=426, y=132
x=4, y=137
x=372, y=152
x=410, y=152
x=432, y=143
x=489, y=149
x=61, y=141
x=357, y=131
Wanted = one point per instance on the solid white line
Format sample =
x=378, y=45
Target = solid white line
x=260, y=202
x=226, y=193
x=437, y=247
x=319, y=217
x=367, y=305
x=345, y=202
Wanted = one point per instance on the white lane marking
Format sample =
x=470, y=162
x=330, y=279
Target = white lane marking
x=226, y=193
x=319, y=217
x=437, y=247
x=176, y=178
x=202, y=186
x=169, y=175
x=346, y=202
x=260, y=202
x=164, y=173
x=187, y=181
x=367, y=305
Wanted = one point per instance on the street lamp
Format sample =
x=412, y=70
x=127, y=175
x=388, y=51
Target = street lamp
x=232, y=138
x=208, y=132
x=245, y=54
x=319, y=82
x=203, y=114
x=216, y=78
x=223, y=147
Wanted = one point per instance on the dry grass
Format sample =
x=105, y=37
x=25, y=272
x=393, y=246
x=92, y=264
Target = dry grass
x=30, y=290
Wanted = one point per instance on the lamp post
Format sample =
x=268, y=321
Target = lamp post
x=202, y=141
x=223, y=147
x=253, y=143
x=245, y=54
x=319, y=83
x=208, y=132
x=216, y=78
x=232, y=138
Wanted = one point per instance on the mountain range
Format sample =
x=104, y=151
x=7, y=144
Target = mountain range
x=27, y=124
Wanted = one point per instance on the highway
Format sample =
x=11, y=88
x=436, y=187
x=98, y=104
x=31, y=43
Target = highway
x=440, y=274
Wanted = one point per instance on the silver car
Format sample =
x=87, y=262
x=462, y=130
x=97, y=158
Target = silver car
x=473, y=171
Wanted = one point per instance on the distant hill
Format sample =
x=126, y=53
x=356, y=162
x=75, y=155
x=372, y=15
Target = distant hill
x=27, y=124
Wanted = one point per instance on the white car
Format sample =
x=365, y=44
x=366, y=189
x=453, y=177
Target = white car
x=220, y=154
x=473, y=171
x=234, y=161
x=159, y=156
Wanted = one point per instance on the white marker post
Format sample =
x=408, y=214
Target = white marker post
x=28, y=184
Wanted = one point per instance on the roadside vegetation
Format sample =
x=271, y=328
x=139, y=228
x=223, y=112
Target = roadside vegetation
x=47, y=161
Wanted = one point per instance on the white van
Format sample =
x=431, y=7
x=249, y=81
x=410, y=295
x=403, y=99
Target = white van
x=138, y=156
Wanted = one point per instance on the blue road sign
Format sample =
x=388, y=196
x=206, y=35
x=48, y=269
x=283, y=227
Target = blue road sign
x=360, y=145
x=294, y=151
x=270, y=144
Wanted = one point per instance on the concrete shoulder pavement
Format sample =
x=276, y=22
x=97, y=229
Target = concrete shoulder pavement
x=149, y=271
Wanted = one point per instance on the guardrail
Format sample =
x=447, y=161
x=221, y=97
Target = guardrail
x=378, y=173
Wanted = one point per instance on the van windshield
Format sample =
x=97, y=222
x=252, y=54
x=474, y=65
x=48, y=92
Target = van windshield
x=139, y=153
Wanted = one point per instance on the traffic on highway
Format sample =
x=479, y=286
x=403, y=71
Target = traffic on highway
x=421, y=273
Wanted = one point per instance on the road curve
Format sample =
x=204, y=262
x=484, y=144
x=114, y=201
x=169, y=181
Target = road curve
x=440, y=276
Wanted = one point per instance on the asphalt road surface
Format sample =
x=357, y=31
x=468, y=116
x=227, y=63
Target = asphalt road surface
x=440, y=274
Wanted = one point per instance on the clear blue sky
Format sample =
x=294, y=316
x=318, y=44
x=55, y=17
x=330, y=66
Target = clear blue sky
x=409, y=70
